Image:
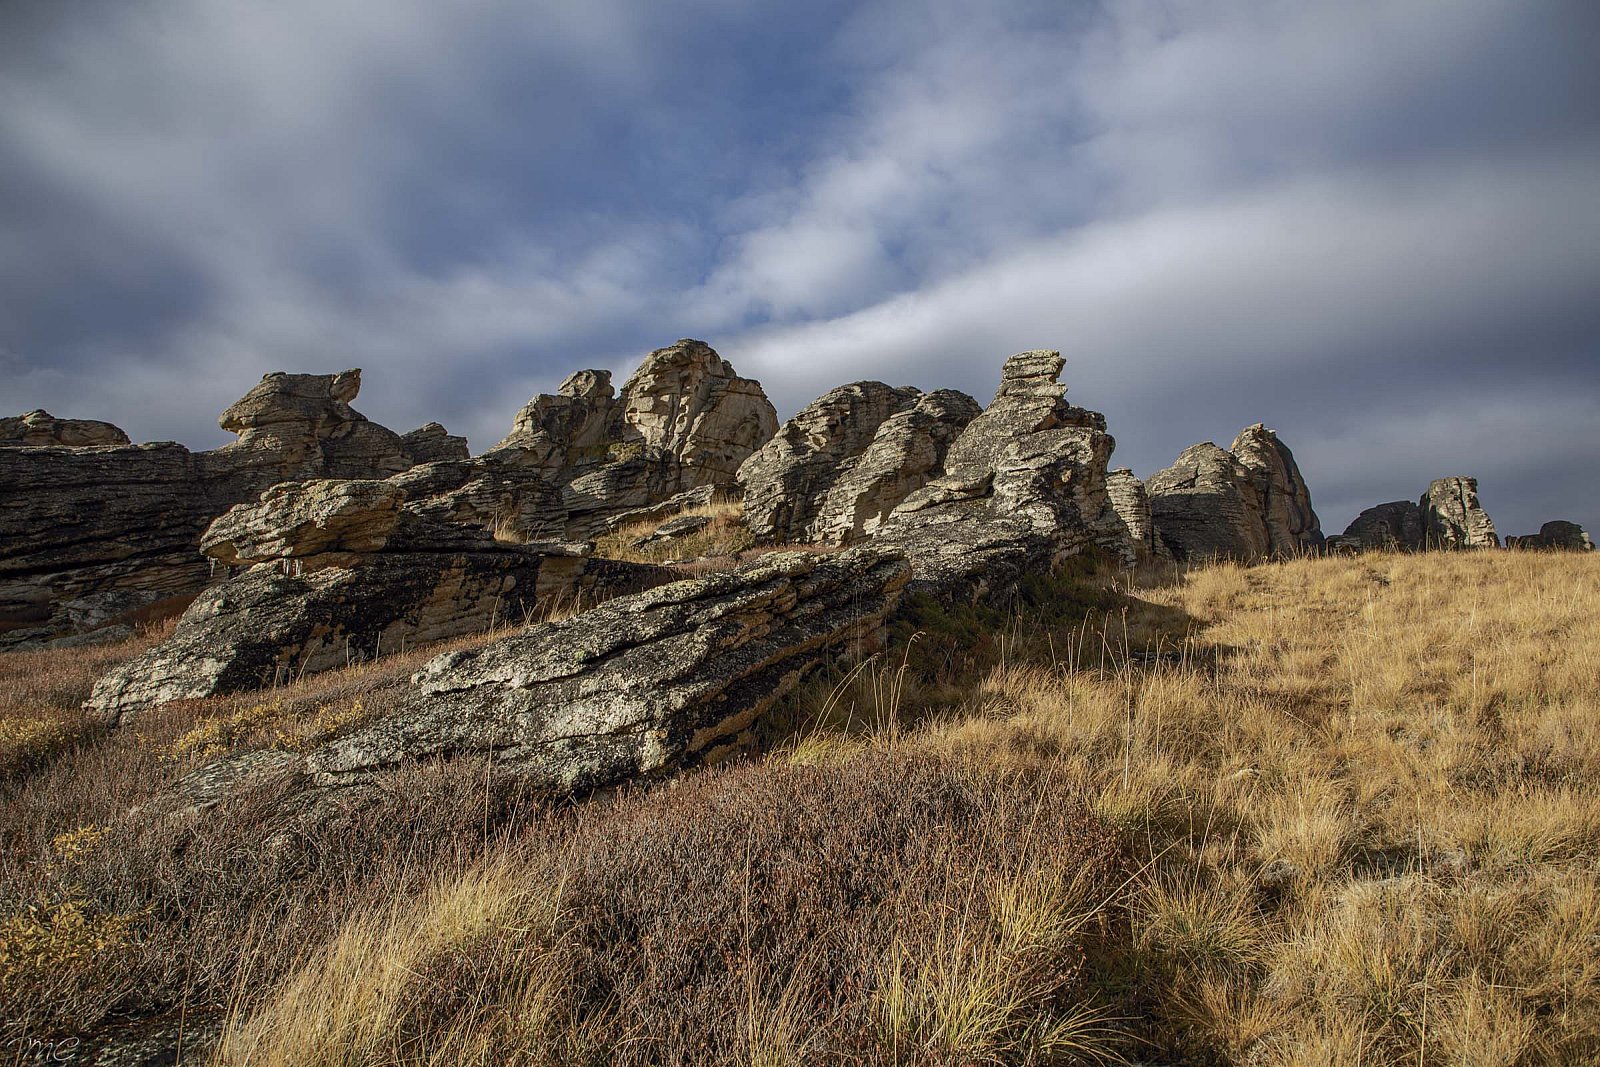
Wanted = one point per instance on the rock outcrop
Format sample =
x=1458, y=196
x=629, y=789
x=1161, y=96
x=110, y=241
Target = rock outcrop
x=1395, y=526
x=1024, y=486
x=432, y=443
x=1558, y=534
x=641, y=686
x=1448, y=516
x=1130, y=502
x=1246, y=503
x=834, y=472
x=338, y=572
x=40, y=428
x=1454, y=518
x=1206, y=506
x=1292, y=525
x=97, y=538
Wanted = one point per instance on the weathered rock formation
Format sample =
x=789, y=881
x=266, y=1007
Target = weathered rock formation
x=39, y=427
x=96, y=537
x=1130, y=501
x=835, y=471
x=1397, y=525
x=1453, y=516
x=1247, y=503
x=1024, y=486
x=1558, y=534
x=1292, y=525
x=640, y=686
x=432, y=443
x=1448, y=516
x=338, y=571
x=576, y=460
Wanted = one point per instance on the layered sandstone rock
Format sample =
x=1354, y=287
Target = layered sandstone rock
x=1024, y=486
x=337, y=589
x=1292, y=525
x=1246, y=503
x=1130, y=502
x=39, y=428
x=1453, y=517
x=641, y=686
x=787, y=481
x=432, y=443
x=97, y=538
x=1206, y=506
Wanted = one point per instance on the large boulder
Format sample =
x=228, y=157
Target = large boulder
x=1397, y=525
x=1130, y=502
x=1024, y=486
x=1453, y=518
x=1558, y=534
x=1246, y=503
x=328, y=522
x=40, y=428
x=1292, y=525
x=1206, y=506
x=640, y=686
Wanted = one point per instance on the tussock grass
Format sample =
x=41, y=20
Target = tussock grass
x=724, y=537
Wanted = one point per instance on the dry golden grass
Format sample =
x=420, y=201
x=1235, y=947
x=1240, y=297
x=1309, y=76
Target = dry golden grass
x=725, y=536
x=1354, y=804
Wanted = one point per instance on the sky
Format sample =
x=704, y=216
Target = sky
x=1374, y=226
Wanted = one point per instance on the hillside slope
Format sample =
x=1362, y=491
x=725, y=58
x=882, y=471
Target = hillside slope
x=1322, y=811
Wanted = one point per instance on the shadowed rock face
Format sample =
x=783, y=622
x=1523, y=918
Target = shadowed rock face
x=835, y=471
x=640, y=686
x=1206, y=506
x=1558, y=534
x=432, y=443
x=1246, y=503
x=39, y=428
x=1024, y=486
x=1131, y=503
x=1395, y=525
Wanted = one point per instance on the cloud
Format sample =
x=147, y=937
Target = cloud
x=1359, y=222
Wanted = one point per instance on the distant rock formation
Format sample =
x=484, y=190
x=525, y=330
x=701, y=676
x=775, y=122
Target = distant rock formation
x=97, y=536
x=1247, y=503
x=338, y=571
x=1131, y=503
x=641, y=686
x=432, y=443
x=575, y=460
x=1558, y=534
x=1448, y=516
x=40, y=428
x=834, y=472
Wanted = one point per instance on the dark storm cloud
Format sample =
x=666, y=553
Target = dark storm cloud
x=1374, y=226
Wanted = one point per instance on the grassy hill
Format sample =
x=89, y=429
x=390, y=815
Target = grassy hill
x=1323, y=811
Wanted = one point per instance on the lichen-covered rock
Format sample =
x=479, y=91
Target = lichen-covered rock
x=1453, y=517
x=275, y=623
x=1558, y=534
x=1397, y=525
x=40, y=428
x=788, y=480
x=640, y=686
x=698, y=497
x=1206, y=506
x=432, y=443
x=1292, y=525
x=1024, y=487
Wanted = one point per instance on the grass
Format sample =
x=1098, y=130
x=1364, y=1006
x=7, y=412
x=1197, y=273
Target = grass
x=725, y=536
x=1313, y=812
